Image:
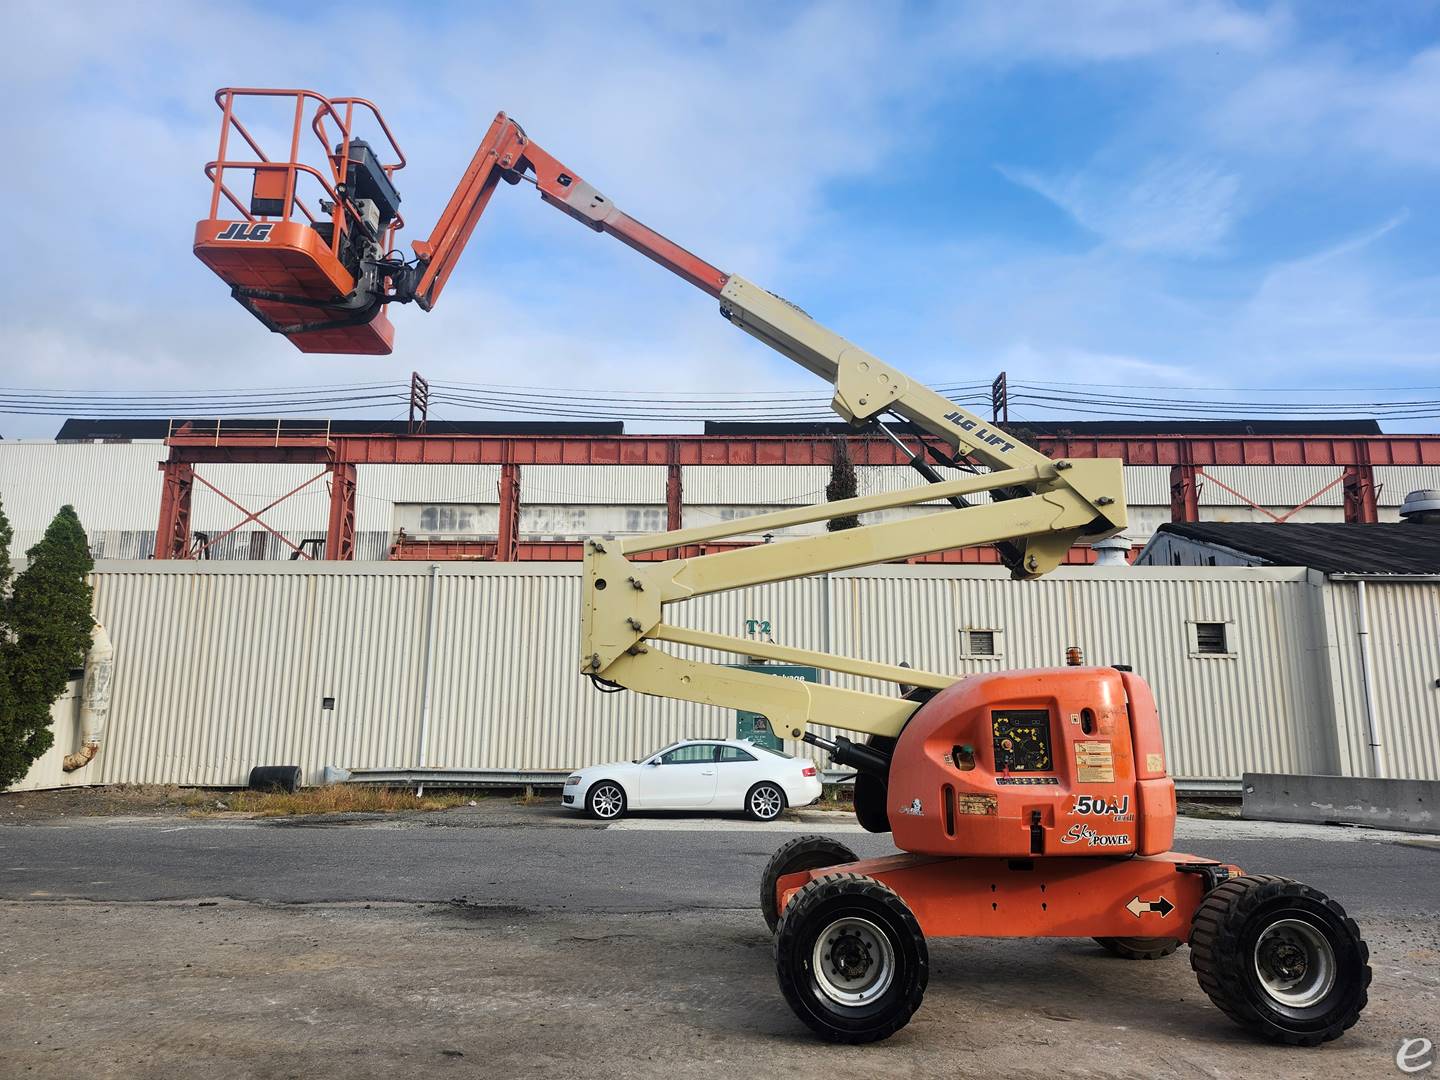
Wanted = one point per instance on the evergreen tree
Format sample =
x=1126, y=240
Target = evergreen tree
x=6, y=571
x=842, y=485
x=47, y=634
x=6, y=535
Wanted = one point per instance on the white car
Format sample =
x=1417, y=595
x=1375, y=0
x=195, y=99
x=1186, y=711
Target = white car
x=696, y=774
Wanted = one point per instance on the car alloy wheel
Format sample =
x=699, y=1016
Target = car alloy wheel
x=607, y=801
x=766, y=802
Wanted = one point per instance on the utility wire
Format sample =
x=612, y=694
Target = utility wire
x=575, y=404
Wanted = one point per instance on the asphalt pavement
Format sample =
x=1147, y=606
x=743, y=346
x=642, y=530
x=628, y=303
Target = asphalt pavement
x=506, y=941
x=544, y=860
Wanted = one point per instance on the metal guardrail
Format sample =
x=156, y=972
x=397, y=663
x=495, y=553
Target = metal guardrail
x=547, y=778
x=459, y=778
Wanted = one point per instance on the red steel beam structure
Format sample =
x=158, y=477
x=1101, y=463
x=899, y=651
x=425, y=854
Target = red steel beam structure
x=340, y=533
x=1185, y=454
x=273, y=447
x=508, y=544
x=172, y=538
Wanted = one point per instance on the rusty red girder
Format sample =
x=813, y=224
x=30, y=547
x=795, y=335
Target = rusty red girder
x=412, y=549
x=1185, y=454
x=340, y=532
x=779, y=449
x=172, y=537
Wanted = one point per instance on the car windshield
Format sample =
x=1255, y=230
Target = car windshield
x=657, y=753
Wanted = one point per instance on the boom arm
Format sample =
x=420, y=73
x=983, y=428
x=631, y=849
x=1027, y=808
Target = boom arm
x=1039, y=507
x=507, y=154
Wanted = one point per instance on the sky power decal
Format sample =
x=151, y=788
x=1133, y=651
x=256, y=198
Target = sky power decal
x=1078, y=834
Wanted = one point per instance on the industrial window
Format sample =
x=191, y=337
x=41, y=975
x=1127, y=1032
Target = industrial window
x=1211, y=639
x=644, y=519
x=447, y=519
x=979, y=644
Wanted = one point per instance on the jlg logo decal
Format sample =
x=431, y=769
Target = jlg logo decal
x=981, y=434
x=239, y=230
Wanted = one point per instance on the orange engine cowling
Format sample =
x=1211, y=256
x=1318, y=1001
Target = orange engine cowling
x=1060, y=761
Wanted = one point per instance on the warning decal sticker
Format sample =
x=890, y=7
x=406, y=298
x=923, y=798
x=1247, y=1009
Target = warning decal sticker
x=1094, y=763
x=976, y=804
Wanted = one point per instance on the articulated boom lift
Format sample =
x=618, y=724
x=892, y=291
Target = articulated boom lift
x=1028, y=803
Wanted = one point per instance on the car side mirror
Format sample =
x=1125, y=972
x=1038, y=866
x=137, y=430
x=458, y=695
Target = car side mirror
x=653, y=761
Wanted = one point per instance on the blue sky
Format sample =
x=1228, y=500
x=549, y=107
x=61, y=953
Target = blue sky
x=1164, y=193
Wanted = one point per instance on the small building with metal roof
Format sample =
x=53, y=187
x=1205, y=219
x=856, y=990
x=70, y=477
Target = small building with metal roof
x=1406, y=548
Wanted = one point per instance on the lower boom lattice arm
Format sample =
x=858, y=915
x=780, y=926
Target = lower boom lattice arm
x=624, y=606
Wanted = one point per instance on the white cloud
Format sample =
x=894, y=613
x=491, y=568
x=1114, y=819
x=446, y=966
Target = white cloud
x=1327, y=105
x=1109, y=29
x=1172, y=206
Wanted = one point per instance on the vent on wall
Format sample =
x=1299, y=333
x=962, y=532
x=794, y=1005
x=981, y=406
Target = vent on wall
x=1210, y=638
x=979, y=644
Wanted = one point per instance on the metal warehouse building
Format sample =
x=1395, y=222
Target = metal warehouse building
x=431, y=619
x=474, y=666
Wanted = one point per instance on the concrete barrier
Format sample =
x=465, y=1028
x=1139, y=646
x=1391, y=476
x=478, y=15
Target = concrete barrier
x=1410, y=805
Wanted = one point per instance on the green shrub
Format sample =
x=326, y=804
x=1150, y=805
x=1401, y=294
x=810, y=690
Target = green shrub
x=45, y=627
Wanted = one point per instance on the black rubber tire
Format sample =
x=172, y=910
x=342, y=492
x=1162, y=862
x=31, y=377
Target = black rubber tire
x=872, y=793
x=811, y=912
x=802, y=853
x=282, y=778
x=590, y=801
x=1223, y=937
x=1140, y=948
x=750, y=796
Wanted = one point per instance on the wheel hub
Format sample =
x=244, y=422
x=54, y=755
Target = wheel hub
x=1287, y=960
x=849, y=956
x=853, y=962
x=1295, y=963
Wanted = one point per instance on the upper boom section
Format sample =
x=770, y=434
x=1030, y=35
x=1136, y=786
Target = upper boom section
x=865, y=387
x=324, y=279
x=506, y=153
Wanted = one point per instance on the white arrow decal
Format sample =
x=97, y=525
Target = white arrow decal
x=1138, y=907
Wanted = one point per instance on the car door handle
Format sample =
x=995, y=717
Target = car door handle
x=708, y=772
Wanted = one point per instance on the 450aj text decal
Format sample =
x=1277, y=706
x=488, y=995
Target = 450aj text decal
x=1099, y=806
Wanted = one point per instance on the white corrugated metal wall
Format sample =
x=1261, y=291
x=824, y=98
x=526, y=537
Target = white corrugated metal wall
x=1404, y=630
x=223, y=666
x=1222, y=714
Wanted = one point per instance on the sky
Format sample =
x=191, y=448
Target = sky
x=1174, y=194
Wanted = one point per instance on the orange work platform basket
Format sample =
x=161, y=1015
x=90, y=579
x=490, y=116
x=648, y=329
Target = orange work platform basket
x=308, y=252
